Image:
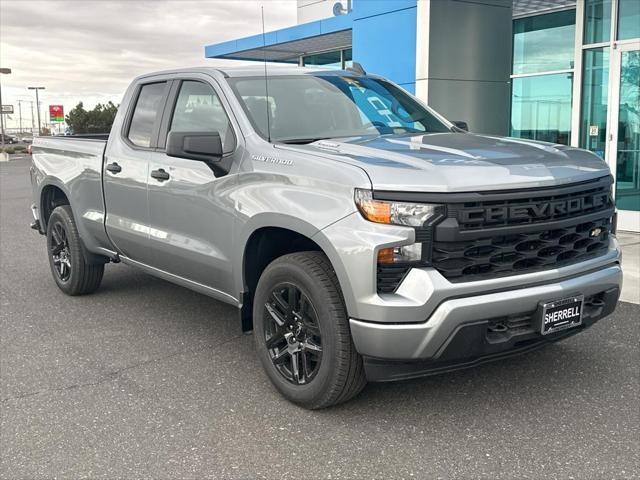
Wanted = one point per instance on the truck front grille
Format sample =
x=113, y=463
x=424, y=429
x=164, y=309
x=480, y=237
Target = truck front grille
x=506, y=233
x=531, y=207
x=510, y=232
x=507, y=254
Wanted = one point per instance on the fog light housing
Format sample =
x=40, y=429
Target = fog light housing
x=401, y=255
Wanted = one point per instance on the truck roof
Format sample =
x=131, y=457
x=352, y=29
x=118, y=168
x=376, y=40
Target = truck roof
x=257, y=70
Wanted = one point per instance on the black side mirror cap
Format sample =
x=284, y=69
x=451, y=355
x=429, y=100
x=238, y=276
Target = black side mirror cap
x=203, y=146
x=461, y=125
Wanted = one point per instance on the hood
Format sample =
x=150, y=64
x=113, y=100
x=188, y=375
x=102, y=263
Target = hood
x=461, y=162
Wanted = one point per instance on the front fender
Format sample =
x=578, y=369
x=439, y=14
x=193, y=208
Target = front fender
x=352, y=246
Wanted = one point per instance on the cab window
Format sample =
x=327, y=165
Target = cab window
x=146, y=113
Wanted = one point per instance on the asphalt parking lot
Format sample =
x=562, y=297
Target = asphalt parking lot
x=145, y=379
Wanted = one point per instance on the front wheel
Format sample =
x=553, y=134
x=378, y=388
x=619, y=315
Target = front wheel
x=302, y=332
x=71, y=270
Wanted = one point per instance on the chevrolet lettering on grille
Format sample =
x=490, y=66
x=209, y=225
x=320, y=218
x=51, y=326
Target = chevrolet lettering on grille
x=537, y=210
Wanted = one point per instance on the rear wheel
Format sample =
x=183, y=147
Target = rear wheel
x=71, y=270
x=302, y=332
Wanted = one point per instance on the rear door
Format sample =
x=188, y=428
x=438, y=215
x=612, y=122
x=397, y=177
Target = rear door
x=127, y=171
x=190, y=210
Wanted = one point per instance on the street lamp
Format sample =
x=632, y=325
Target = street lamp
x=37, y=106
x=2, y=71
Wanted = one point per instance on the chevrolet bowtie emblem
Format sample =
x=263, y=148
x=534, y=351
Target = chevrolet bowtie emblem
x=595, y=232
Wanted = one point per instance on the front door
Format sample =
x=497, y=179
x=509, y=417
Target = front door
x=190, y=210
x=624, y=141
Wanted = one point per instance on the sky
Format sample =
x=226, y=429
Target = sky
x=90, y=50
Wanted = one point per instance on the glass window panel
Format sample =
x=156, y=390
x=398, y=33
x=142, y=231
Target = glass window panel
x=198, y=109
x=326, y=59
x=541, y=108
x=628, y=19
x=628, y=147
x=544, y=42
x=308, y=107
x=595, y=89
x=146, y=114
x=597, y=21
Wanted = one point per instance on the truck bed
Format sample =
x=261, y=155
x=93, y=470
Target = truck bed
x=85, y=136
x=74, y=165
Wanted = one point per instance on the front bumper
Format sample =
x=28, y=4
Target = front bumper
x=419, y=321
x=463, y=332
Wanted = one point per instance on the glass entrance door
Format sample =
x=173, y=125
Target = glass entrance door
x=624, y=140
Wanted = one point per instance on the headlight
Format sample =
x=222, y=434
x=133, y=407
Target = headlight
x=417, y=215
x=395, y=213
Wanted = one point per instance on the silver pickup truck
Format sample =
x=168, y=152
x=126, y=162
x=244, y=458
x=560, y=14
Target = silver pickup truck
x=361, y=235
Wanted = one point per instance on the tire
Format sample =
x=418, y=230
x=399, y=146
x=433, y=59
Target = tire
x=325, y=377
x=71, y=270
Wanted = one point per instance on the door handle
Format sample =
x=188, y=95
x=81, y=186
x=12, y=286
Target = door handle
x=160, y=175
x=114, y=167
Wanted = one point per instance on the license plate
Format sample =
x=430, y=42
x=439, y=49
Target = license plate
x=562, y=314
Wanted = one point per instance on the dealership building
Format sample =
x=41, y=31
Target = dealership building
x=562, y=71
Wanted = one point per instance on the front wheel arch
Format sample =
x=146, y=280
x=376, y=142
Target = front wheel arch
x=304, y=237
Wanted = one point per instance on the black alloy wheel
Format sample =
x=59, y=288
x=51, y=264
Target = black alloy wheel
x=292, y=334
x=60, y=251
x=74, y=269
x=301, y=331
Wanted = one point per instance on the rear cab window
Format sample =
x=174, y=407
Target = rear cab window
x=146, y=114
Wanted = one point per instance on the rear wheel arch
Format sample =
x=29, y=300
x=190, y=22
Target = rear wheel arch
x=51, y=197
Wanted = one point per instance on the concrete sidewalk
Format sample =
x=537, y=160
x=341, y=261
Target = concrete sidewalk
x=630, y=243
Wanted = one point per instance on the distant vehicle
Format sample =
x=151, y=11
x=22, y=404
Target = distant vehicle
x=360, y=234
x=9, y=139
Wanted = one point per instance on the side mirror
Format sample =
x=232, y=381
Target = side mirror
x=461, y=125
x=203, y=146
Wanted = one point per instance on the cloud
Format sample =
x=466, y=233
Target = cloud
x=90, y=50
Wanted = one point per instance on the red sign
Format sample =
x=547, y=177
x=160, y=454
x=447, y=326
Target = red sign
x=56, y=113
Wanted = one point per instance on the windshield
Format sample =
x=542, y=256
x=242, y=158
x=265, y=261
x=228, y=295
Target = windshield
x=306, y=108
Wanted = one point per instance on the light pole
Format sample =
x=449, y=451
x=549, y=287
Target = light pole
x=37, y=106
x=20, y=115
x=2, y=71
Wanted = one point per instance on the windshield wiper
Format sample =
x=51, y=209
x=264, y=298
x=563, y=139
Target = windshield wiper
x=302, y=141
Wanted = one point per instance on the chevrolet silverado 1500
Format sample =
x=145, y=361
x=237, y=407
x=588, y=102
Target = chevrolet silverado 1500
x=361, y=235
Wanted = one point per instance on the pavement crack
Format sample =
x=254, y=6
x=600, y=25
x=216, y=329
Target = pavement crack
x=110, y=376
